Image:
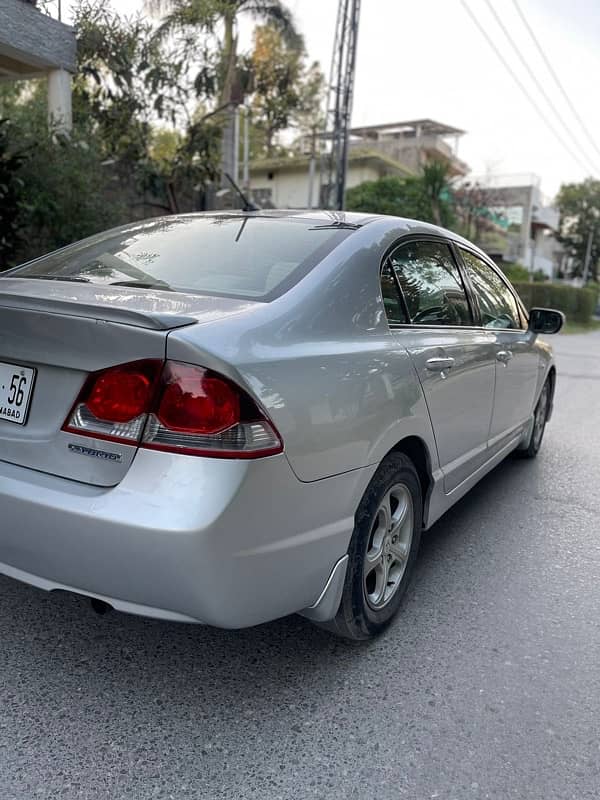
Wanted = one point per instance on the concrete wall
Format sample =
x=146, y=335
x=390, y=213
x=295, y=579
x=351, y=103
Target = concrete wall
x=414, y=152
x=289, y=188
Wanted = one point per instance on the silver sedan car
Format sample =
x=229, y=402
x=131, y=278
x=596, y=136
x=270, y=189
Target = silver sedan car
x=226, y=418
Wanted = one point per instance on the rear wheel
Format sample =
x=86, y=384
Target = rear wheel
x=382, y=551
x=539, y=424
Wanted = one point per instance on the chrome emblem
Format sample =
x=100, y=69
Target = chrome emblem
x=90, y=451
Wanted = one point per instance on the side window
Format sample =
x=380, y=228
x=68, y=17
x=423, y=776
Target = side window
x=431, y=284
x=497, y=305
x=392, y=301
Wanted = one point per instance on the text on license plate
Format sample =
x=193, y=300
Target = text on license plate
x=16, y=386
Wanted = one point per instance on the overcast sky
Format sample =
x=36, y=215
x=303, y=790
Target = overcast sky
x=426, y=58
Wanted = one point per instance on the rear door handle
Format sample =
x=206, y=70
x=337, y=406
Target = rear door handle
x=504, y=356
x=439, y=364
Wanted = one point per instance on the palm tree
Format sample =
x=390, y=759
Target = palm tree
x=435, y=179
x=209, y=15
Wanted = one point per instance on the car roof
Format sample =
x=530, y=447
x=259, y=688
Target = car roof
x=351, y=218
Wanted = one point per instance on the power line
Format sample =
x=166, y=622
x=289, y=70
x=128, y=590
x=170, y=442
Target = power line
x=521, y=85
x=552, y=72
x=539, y=85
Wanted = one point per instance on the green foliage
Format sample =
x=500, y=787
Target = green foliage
x=514, y=272
x=436, y=188
x=579, y=206
x=190, y=17
x=135, y=142
x=65, y=191
x=594, y=286
x=68, y=193
x=128, y=78
x=577, y=304
x=12, y=159
x=424, y=197
x=275, y=70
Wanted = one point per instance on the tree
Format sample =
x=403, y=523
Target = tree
x=12, y=159
x=579, y=206
x=285, y=91
x=402, y=197
x=275, y=78
x=127, y=79
x=308, y=115
x=436, y=188
x=66, y=191
x=477, y=209
x=425, y=197
x=207, y=16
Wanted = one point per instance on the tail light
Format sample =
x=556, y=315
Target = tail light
x=174, y=407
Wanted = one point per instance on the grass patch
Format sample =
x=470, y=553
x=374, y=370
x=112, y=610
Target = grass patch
x=581, y=327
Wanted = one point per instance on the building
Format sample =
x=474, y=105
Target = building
x=33, y=45
x=414, y=143
x=375, y=151
x=285, y=182
x=525, y=224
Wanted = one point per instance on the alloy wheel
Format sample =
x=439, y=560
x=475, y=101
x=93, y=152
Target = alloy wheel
x=389, y=546
x=541, y=413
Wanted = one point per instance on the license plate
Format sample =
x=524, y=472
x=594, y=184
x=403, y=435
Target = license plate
x=16, y=386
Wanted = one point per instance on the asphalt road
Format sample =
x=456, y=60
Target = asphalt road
x=487, y=686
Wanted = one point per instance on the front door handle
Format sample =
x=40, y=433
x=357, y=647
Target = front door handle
x=439, y=364
x=504, y=356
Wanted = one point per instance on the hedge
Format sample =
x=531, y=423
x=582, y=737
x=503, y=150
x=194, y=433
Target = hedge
x=577, y=304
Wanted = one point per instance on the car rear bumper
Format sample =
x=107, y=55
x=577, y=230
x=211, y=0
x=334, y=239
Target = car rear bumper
x=224, y=542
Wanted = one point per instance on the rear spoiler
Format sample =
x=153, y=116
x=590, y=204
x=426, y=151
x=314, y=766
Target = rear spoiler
x=107, y=313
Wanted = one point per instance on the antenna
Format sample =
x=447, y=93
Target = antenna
x=247, y=205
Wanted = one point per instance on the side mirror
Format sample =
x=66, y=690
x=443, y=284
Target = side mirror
x=545, y=320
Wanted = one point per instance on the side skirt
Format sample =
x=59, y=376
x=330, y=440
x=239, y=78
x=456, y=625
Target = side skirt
x=440, y=502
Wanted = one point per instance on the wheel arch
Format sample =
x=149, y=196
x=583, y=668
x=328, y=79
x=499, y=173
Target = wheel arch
x=415, y=448
x=552, y=378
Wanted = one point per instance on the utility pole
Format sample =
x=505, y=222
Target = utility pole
x=532, y=261
x=236, y=144
x=339, y=101
x=312, y=166
x=588, y=256
x=246, y=167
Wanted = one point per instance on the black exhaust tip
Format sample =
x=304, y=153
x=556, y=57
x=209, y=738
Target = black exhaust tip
x=99, y=606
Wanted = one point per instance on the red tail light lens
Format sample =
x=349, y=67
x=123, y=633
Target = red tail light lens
x=114, y=404
x=121, y=394
x=194, y=401
x=174, y=407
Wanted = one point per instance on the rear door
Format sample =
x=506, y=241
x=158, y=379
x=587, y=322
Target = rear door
x=516, y=359
x=455, y=360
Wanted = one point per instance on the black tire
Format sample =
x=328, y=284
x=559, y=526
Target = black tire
x=540, y=417
x=356, y=619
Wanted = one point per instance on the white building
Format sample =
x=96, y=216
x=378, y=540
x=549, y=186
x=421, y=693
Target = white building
x=528, y=223
x=375, y=151
x=413, y=143
x=285, y=182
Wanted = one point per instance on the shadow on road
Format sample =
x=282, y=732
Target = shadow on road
x=155, y=660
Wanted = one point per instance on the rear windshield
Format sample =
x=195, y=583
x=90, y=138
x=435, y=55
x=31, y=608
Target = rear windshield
x=235, y=256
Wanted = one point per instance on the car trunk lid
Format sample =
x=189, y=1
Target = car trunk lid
x=53, y=334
